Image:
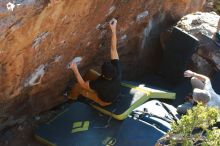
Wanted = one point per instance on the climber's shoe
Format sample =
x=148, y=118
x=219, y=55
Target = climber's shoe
x=72, y=96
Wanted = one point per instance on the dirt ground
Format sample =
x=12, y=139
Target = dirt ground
x=23, y=134
x=19, y=136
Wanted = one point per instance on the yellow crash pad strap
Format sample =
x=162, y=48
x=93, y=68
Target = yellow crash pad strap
x=153, y=93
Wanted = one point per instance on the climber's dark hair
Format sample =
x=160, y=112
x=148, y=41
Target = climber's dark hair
x=108, y=70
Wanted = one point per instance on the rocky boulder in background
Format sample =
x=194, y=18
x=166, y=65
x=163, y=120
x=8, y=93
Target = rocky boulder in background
x=203, y=26
x=38, y=40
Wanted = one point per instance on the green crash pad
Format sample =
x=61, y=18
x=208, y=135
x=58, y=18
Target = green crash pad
x=78, y=125
x=132, y=95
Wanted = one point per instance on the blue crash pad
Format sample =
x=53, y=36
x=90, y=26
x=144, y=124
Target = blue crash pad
x=81, y=125
x=78, y=125
x=177, y=54
x=137, y=133
x=157, y=113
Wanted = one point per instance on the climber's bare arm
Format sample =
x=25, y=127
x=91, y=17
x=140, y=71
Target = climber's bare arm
x=201, y=77
x=84, y=84
x=114, y=52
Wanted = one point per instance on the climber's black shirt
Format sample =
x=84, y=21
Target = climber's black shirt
x=108, y=90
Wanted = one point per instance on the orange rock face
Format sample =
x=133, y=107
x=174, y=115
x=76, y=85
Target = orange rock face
x=38, y=39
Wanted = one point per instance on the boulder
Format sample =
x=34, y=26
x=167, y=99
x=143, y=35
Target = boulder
x=38, y=38
x=203, y=25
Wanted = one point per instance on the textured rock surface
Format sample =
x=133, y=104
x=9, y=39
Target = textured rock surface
x=203, y=26
x=38, y=40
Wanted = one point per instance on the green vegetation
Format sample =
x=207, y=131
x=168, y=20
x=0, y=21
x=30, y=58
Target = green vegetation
x=217, y=6
x=195, y=128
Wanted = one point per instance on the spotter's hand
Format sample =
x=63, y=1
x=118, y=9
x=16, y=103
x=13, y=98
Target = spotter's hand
x=188, y=73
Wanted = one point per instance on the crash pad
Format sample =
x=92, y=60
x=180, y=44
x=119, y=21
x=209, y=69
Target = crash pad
x=216, y=82
x=135, y=132
x=132, y=95
x=177, y=54
x=157, y=113
x=81, y=125
x=78, y=125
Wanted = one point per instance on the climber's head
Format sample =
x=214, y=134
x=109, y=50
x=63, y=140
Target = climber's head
x=201, y=95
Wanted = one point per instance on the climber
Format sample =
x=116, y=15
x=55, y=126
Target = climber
x=202, y=92
x=105, y=88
